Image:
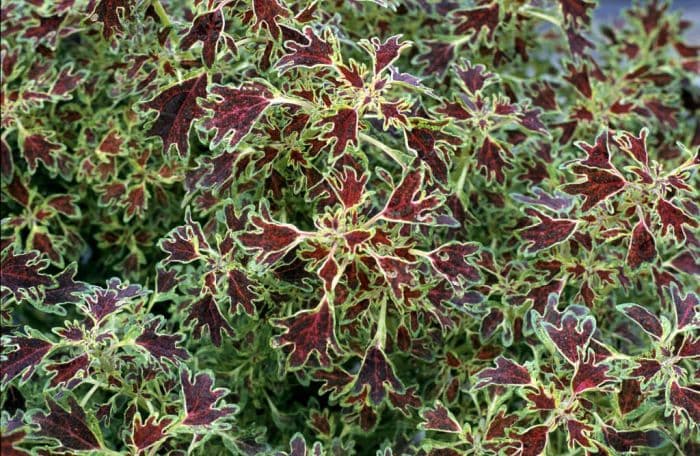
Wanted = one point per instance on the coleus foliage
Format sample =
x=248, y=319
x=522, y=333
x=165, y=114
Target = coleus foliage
x=362, y=227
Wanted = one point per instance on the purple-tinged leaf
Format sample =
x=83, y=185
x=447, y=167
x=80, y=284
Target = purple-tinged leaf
x=386, y=53
x=438, y=418
x=376, y=374
x=309, y=331
x=317, y=52
x=626, y=440
x=506, y=372
x=475, y=78
x=206, y=28
x=599, y=186
x=686, y=398
x=25, y=358
x=571, y=336
x=205, y=312
x=177, y=109
x=69, y=427
x=645, y=319
x=144, y=435
x=201, y=400
x=576, y=11
x=160, y=345
x=102, y=302
x=548, y=232
x=65, y=372
x=234, y=111
x=642, y=248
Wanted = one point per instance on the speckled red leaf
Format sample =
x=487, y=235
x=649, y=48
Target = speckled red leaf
x=576, y=10
x=533, y=441
x=477, y=18
x=408, y=201
x=316, y=52
x=177, y=109
x=492, y=156
x=201, y=400
x=598, y=155
x=344, y=130
x=506, y=372
x=642, y=248
x=646, y=368
x=630, y=396
x=161, y=345
x=272, y=240
x=635, y=146
x=626, y=440
x=571, y=336
x=376, y=374
x=143, y=435
x=69, y=427
x=206, y=28
x=397, y=272
x=387, y=52
x=183, y=243
x=234, y=111
x=589, y=375
x=645, y=319
x=37, y=148
x=541, y=400
x=68, y=370
x=240, y=292
x=25, y=358
x=267, y=13
x=103, y=302
x=688, y=399
x=474, y=77
x=674, y=217
x=309, y=331
x=450, y=261
x=6, y=163
x=204, y=312
x=438, y=418
x=548, y=232
x=578, y=433
x=109, y=12
x=530, y=119
x=598, y=186
x=22, y=273
x=685, y=308
x=350, y=186
x=424, y=142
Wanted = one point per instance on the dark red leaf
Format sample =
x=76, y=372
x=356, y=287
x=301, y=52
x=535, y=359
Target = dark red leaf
x=687, y=399
x=8, y=442
x=589, y=375
x=572, y=336
x=160, y=345
x=349, y=186
x=106, y=301
x=674, y=217
x=146, y=434
x=37, y=148
x=22, y=273
x=599, y=185
x=205, y=312
x=66, y=371
x=309, y=331
x=235, y=111
x=598, y=155
x=474, y=77
x=206, y=28
x=69, y=427
x=386, y=53
x=635, y=146
x=576, y=11
x=273, y=240
x=376, y=374
x=642, y=248
x=345, y=129
x=201, y=400
x=183, y=243
x=491, y=156
x=548, y=232
x=578, y=433
x=579, y=79
x=438, y=418
x=407, y=202
x=625, y=440
x=506, y=372
x=685, y=308
x=449, y=260
x=109, y=12
x=266, y=13
x=177, y=109
x=240, y=292
x=25, y=358
x=645, y=319
x=476, y=19
x=316, y=52
x=533, y=441
x=630, y=396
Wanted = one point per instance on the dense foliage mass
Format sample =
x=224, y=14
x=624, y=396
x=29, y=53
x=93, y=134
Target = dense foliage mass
x=347, y=227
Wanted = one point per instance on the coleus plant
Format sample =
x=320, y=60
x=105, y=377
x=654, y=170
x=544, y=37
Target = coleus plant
x=353, y=227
